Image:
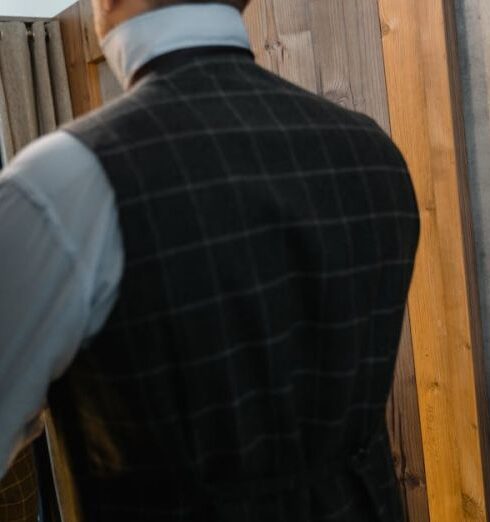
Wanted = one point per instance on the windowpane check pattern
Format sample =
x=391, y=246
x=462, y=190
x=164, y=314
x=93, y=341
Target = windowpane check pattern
x=243, y=375
x=19, y=500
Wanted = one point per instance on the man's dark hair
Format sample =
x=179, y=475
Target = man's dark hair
x=239, y=4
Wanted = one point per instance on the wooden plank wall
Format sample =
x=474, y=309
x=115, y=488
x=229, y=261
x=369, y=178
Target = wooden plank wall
x=394, y=60
x=91, y=81
x=82, y=74
x=334, y=48
x=90, y=42
x=418, y=43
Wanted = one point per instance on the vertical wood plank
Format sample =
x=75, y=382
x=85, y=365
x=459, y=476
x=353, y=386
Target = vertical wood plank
x=349, y=55
x=282, y=40
x=334, y=48
x=75, y=60
x=405, y=435
x=93, y=53
x=93, y=85
x=66, y=490
x=365, y=59
x=420, y=92
x=82, y=76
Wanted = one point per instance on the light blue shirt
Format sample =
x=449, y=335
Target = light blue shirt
x=61, y=255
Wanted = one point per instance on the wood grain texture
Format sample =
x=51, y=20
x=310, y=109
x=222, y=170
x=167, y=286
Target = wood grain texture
x=91, y=47
x=405, y=434
x=334, y=48
x=420, y=95
x=349, y=54
x=82, y=76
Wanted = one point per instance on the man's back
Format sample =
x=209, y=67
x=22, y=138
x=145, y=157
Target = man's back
x=269, y=240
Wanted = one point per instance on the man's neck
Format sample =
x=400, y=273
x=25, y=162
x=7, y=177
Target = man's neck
x=137, y=41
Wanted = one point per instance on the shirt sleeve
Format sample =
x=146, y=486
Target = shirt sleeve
x=60, y=267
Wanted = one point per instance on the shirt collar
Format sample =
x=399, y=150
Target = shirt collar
x=135, y=42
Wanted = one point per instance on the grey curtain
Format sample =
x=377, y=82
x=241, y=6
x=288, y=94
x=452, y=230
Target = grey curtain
x=34, y=91
x=34, y=100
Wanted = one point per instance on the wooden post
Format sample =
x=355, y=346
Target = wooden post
x=82, y=73
x=417, y=43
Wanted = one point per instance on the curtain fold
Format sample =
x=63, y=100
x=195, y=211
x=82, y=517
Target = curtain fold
x=34, y=100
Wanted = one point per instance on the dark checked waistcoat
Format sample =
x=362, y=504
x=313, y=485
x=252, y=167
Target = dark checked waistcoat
x=269, y=240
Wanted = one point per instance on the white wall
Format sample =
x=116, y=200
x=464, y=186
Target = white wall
x=473, y=18
x=34, y=8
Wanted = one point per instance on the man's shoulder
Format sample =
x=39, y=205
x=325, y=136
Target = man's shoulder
x=104, y=127
x=320, y=105
x=99, y=118
x=56, y=151
x=50, y=164
x=320, y=112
